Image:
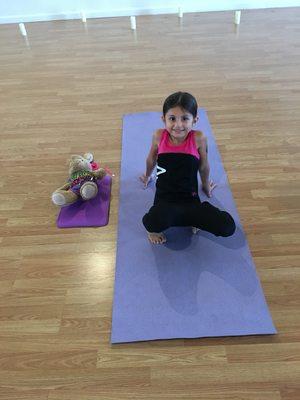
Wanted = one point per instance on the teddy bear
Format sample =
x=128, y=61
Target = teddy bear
x=83, y=175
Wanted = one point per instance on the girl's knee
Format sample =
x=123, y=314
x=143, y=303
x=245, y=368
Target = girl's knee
x=152, y=223
x=147, y=223
x=218, y=222
x=228, y=226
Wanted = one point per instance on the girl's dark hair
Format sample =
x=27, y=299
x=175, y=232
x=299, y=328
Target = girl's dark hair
x=182, y=99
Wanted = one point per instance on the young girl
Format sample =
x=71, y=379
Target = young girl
x=180, y=152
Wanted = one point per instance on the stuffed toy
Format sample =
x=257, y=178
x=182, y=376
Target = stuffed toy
x=83, y=175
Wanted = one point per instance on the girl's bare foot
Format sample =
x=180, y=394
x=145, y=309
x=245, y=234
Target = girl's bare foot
x=195, y=230
x=157, y=238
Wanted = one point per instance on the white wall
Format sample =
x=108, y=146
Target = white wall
x=12, y=11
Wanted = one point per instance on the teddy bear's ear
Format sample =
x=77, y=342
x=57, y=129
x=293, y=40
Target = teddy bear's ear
x=89, y=157
x=73, y=160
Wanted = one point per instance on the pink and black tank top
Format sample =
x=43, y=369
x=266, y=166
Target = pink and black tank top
x=177, y=169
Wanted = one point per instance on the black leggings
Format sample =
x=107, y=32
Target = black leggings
x=163, y=215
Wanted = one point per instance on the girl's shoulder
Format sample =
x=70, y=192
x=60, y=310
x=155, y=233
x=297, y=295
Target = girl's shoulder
x=157, y=136
x=200, y=138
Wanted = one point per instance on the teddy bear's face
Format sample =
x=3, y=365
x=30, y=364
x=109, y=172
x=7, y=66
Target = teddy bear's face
x=79, y=163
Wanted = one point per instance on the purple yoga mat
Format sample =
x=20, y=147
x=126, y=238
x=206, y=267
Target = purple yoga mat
x=93, y=212
x=192, y=286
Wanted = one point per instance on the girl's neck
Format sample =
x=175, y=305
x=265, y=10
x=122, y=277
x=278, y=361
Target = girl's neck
x=177, y=141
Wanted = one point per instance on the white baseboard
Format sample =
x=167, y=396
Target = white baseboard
x=89, y=14
x=238, y=5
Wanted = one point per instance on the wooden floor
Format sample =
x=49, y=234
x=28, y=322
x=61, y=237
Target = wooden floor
x=64, y=91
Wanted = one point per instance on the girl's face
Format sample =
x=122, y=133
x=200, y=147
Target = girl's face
x=179, y=123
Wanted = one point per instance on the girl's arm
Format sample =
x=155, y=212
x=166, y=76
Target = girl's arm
x=207, y=185
x=152, y=158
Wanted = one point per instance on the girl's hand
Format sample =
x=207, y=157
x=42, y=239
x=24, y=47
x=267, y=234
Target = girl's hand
x=145, y=179
x=207, y=189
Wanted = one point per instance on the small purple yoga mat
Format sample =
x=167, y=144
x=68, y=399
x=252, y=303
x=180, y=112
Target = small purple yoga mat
x=93, y=212
x=192, y=286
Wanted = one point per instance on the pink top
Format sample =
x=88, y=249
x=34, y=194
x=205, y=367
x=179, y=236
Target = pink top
x=187, y=147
